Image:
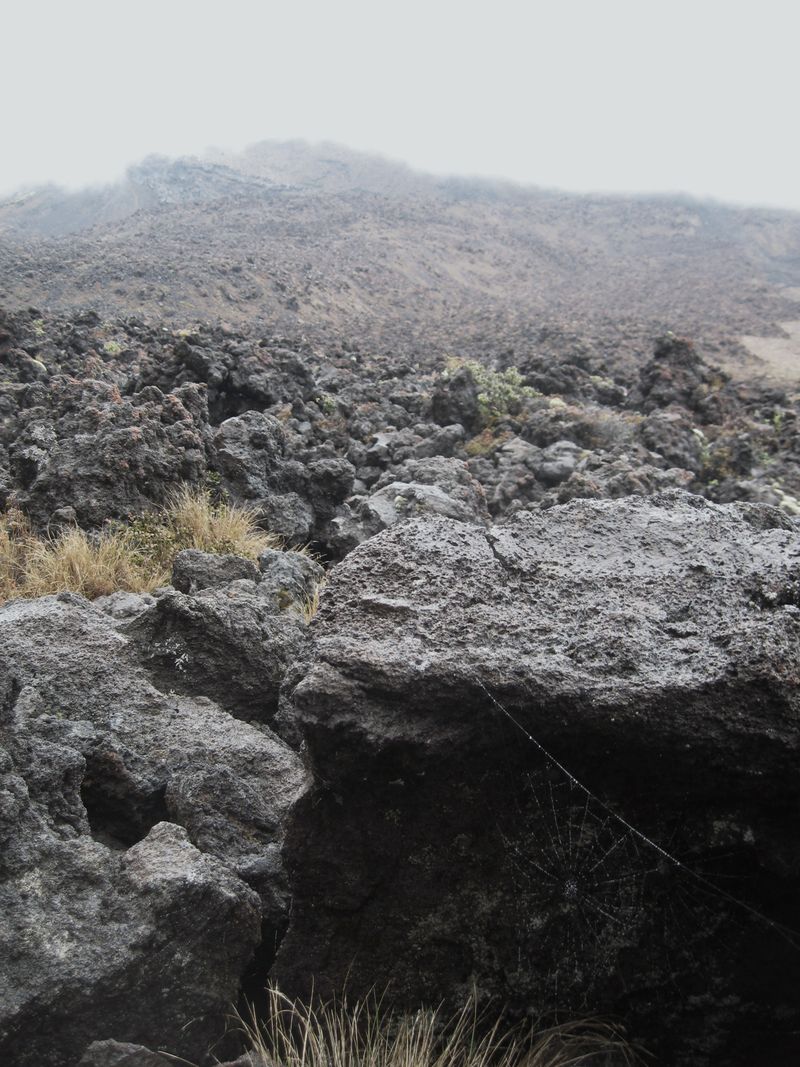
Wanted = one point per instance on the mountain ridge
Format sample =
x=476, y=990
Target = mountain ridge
x=322, y=243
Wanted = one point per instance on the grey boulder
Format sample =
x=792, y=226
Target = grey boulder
x=548, y=756
x=115, y=921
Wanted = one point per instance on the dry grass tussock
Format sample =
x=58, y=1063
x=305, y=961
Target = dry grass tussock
x=361, y=1035
x=311, y=606
x=137, y=556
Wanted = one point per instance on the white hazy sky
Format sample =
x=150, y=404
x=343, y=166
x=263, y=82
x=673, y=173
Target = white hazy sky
x=622, y=95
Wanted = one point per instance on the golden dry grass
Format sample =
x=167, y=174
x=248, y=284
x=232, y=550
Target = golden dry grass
x=198, y=522
x=137, y=557
x=294, y=1034
x=93, y=567
x=311, y=605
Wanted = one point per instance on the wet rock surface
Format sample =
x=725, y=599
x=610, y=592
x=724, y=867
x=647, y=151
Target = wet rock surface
x=650, y=647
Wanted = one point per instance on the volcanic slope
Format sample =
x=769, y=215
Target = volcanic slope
x=323, y=243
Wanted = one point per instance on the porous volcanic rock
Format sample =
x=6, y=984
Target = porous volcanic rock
x=229, y=640
x=81, y=445
x=469, y=684
x=142, y=830
x=677, y=374
x=148, y=944
x=296, y=498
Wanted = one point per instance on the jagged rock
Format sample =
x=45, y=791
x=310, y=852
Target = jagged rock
x=148, y=944
x=193, y=570
x=330, y=481
x=86, y=447
x=451, y=476
x=109, y=762
x=402, y=500
x=288, y=580
x=671, y=433
x=249, y=451
x=651, y=646
x=604, y=475
x=434, y=485
x=456, y=401
x=232, y=643
x=288, y=516
x=557, y=463
x=444, y=441
x=678, y=374
x=295, y=498
x=124, y=604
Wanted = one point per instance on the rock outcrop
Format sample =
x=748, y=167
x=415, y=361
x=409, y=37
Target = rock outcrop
x=554, y=757
x=547, y=756
x=141, y=832
x=101, y=420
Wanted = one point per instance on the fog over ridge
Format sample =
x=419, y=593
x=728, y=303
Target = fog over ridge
x=620, y=98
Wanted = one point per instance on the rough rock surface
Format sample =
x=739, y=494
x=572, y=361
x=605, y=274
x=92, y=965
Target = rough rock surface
x=102, y=419
x=231, y=639
x=253, y=458
x=115, y=922
x=193, y=570
x=652, y=647
x=121, y=1054
x=82, y=445
x=138, y=944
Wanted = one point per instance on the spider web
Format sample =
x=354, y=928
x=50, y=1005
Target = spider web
x=594, y=902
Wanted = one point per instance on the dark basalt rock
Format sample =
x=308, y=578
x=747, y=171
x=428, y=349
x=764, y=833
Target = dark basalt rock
x=141, y=831
x=253, y=456
x=92, y=426
x=651, y=646
x=677, y=374
x=86, y=447
x=231, y=642
x=193, y=570
x=456, y=401
x=147, y=944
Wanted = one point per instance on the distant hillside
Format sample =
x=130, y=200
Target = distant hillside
x=320, y=242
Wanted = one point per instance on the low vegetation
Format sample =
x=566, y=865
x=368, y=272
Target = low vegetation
x=499, y=392
x=486, y=442
x=136, y=556
x=362, y=1035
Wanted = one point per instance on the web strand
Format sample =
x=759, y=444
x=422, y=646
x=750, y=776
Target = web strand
x=792, y=937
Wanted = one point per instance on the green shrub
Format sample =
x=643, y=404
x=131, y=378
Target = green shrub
x=499, y=392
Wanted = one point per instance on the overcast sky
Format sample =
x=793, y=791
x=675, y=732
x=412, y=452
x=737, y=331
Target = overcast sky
x=622, y=95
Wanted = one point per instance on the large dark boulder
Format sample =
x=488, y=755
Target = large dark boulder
x=296, y=499
x=551, y=758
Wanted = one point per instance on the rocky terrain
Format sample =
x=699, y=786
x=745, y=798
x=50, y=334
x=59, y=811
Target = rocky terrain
x=539, y=742
x=325, y=244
